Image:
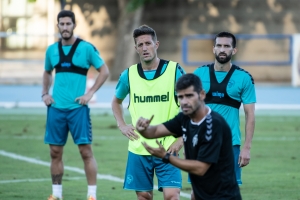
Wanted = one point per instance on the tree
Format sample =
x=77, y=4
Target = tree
x=130, y=18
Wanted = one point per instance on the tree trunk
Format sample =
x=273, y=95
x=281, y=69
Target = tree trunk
x=125, y=54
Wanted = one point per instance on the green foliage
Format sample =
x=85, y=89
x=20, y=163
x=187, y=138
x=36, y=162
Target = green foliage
x=273, y=173
x=135, y=4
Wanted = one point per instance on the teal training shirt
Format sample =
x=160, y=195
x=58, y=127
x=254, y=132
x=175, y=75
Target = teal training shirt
x=68, y=86
x=122, y=88
x=240, y=87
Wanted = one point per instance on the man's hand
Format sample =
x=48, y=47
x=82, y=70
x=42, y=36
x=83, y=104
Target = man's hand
x=244, y=157
x=47, y=99
x=84, y=100
x=143, y=123
x=159, y=152
x=176, y=146
x=128, y=131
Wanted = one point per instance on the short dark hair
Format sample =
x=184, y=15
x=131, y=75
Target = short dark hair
x=227, y=35
x=188, y=80
x=66, y=13
x=144, y=30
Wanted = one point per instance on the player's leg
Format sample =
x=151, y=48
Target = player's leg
x=56, y=136
x=79, y=122
x=57, y=170
x=237, y=168
x=144, y=195
x=90, y=168
x=169, y=179
x=139, y=176
x=192, y=193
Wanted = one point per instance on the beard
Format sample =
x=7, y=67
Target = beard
x=66, y=37
x=223, y=60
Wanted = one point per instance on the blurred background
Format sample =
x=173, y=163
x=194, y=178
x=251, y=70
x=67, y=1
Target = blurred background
x=267, y=32
x=268, y=47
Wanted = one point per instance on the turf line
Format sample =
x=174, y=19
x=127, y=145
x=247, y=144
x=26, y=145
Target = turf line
x=39, y=180
x=255, y=138
x=69, y=168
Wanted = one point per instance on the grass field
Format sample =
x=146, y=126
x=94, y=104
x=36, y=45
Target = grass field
x=273, y=173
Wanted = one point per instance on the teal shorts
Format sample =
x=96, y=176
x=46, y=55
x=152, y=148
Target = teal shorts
x=140, y=173
x=60, y=122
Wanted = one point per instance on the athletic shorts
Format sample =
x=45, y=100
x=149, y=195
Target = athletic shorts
x=140, y=172
x=60, y=122
x=237, y=168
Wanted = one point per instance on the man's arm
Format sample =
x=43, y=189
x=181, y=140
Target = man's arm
x=191, y=166
x=47, y=82
x=150, y=132
x=101, y=78
x=249, y=110
x=126, y=129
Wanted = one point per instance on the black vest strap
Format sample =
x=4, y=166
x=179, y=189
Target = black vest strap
x=158, y=70
x=217, y=93
x=65, y=63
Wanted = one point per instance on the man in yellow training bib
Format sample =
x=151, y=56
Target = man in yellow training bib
x=151, y=86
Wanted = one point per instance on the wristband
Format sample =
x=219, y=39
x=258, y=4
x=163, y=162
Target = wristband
x=44, y=94
x=166, y=158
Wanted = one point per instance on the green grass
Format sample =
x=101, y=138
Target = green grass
x=273, y=173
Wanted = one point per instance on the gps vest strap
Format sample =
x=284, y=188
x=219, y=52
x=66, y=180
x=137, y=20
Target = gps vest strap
x=65, y=63
x=217, y=93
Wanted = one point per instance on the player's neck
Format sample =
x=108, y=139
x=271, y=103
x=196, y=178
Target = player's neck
x=151, y=65
x=222, y=67
x=200, y=114
x=69, y=41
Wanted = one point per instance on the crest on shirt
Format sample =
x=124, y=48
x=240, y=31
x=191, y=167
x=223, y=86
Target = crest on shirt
x=195, y=140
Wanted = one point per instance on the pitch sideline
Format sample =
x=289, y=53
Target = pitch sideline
x=69, y=168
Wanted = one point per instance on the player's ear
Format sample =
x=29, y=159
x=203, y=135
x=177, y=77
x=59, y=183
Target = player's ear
x=234, y=51
x=202, y=95
x=157, y=44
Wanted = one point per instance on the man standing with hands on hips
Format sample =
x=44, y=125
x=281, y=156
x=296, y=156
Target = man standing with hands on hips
x=71, y=58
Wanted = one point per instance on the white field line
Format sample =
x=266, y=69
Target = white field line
x=108, y=105
x=69, y=168
x=24, y=137
x=20, y=104
x=39, y=180
x=255, y=138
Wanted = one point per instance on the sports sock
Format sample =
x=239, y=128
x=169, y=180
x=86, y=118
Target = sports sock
x=57, y=191
x=92, y=189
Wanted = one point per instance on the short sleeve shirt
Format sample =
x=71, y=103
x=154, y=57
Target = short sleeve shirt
x=68, y=86
x=208, y=141
x=240, y=87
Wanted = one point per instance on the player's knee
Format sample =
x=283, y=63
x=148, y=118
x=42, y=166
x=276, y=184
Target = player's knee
x=173, y=194
x=85, y=152
x=144, y=195
x=56, y=153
